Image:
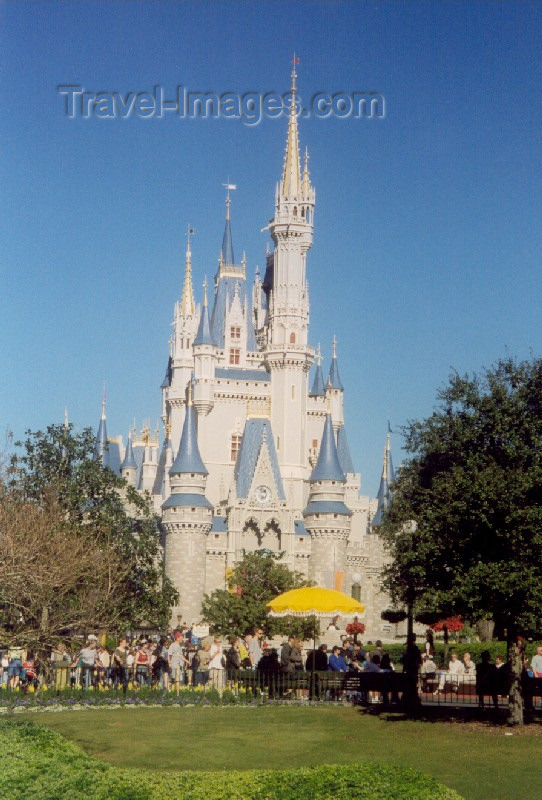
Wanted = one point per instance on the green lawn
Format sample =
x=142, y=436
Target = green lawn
x=480, y=764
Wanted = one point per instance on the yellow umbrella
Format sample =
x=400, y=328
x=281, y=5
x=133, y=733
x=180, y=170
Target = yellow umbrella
x=314, y=601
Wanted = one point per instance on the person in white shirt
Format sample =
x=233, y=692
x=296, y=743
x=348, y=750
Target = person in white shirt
x=216, y=665
x=470, y=669
x=536, y=663
x=451, y=675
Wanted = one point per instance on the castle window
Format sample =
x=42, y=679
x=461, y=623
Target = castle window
x=356, y=591
x=235, y=445
x=293, y=392
x=235, y=332
x=292, y=338
x=235, y=355
x=315, y=444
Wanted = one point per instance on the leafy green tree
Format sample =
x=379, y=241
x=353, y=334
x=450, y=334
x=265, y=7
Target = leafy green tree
x=60, y=467
x=256, y=579
x=464, y=528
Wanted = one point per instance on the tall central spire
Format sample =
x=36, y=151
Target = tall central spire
x=291, y=179
x=187, y=299
x=227, y=244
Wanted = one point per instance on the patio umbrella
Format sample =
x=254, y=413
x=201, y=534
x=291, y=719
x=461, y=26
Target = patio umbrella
x=313, y=601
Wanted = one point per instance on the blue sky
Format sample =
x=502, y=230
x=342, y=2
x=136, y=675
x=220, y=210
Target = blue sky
x=427, y=248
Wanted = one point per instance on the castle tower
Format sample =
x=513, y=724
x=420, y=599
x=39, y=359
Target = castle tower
x=128, y=468
x=335, y=391
x=101, y=446
x=204, y=360
x=386, y=479
x=286, y=353
x=326, y=516
x=187, y=519
x=180, y=362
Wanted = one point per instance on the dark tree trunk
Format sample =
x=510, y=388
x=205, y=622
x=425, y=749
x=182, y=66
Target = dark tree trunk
x=515, y=697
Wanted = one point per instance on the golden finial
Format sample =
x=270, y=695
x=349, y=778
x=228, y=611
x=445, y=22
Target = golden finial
x=319, y=355
x=189, y=399
x=167, y=427
x=103, y=401
x=205, y=284
x=291, y=176
x=334, y=347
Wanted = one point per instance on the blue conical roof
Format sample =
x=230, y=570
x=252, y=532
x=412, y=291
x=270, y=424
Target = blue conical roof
x=386, y=480
x=189, y=458
x=227, y=244
x=167, y=379
x=101, y=440
x=328, y=467
x=318, y=383
x=343, y=452
x=334, y=378
x=203, y=336
x=129, y=459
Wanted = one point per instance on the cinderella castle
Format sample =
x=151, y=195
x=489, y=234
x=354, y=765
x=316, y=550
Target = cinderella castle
x=255, y=452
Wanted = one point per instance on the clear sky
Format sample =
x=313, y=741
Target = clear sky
x=427, y=247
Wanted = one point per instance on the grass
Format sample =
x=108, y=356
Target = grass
x=479, y=763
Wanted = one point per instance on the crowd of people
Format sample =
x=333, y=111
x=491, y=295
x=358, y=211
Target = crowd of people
x=180, y=658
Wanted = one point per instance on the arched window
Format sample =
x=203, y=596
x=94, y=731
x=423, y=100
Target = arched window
x=292, y=338
x=293, y=392
x=356, y=591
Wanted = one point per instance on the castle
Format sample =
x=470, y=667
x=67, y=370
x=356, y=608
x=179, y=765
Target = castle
x=255, y=453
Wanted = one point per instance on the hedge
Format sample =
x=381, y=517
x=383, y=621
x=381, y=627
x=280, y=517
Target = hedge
x=474, y=648
x=40, y=764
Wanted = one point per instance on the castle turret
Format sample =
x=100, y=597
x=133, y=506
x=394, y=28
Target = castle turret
x=204, y=360
x=101, y=446
x=187, y=519
x=180, y=363
x=287, y=355
x=335, y=390
x=386, y=480
x=327, y=518
x=128, y=468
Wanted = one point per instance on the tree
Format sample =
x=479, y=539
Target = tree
x=256, y=579
x=56, y=577
x=58, y=470
x=464, y=528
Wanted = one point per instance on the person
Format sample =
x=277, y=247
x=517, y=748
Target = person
x=373, y=665
x=485, y=680
x=387, y=666
x=4, y=669
x=296, y=655
x=233, y=655
x=255, y=648
x=60, y=661
x=429, y=644
x=502, y=677
x=411, y=661
x=216, y=664
x=333, y=625
x=246, y=663
x=470, y=669
x=536, y=663
x=320, y=659
x=346, y=648
x=118, y=673
x=268, y=668
x=177, y=660
x=286, y=664
x=336, y=661
x=453, y=675
x=89, y=659
x=202, y=659
x=428, y=672
x=378, y=651
x=160, y=667
x=103, y=666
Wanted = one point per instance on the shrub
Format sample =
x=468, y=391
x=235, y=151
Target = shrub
x=38, y=763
